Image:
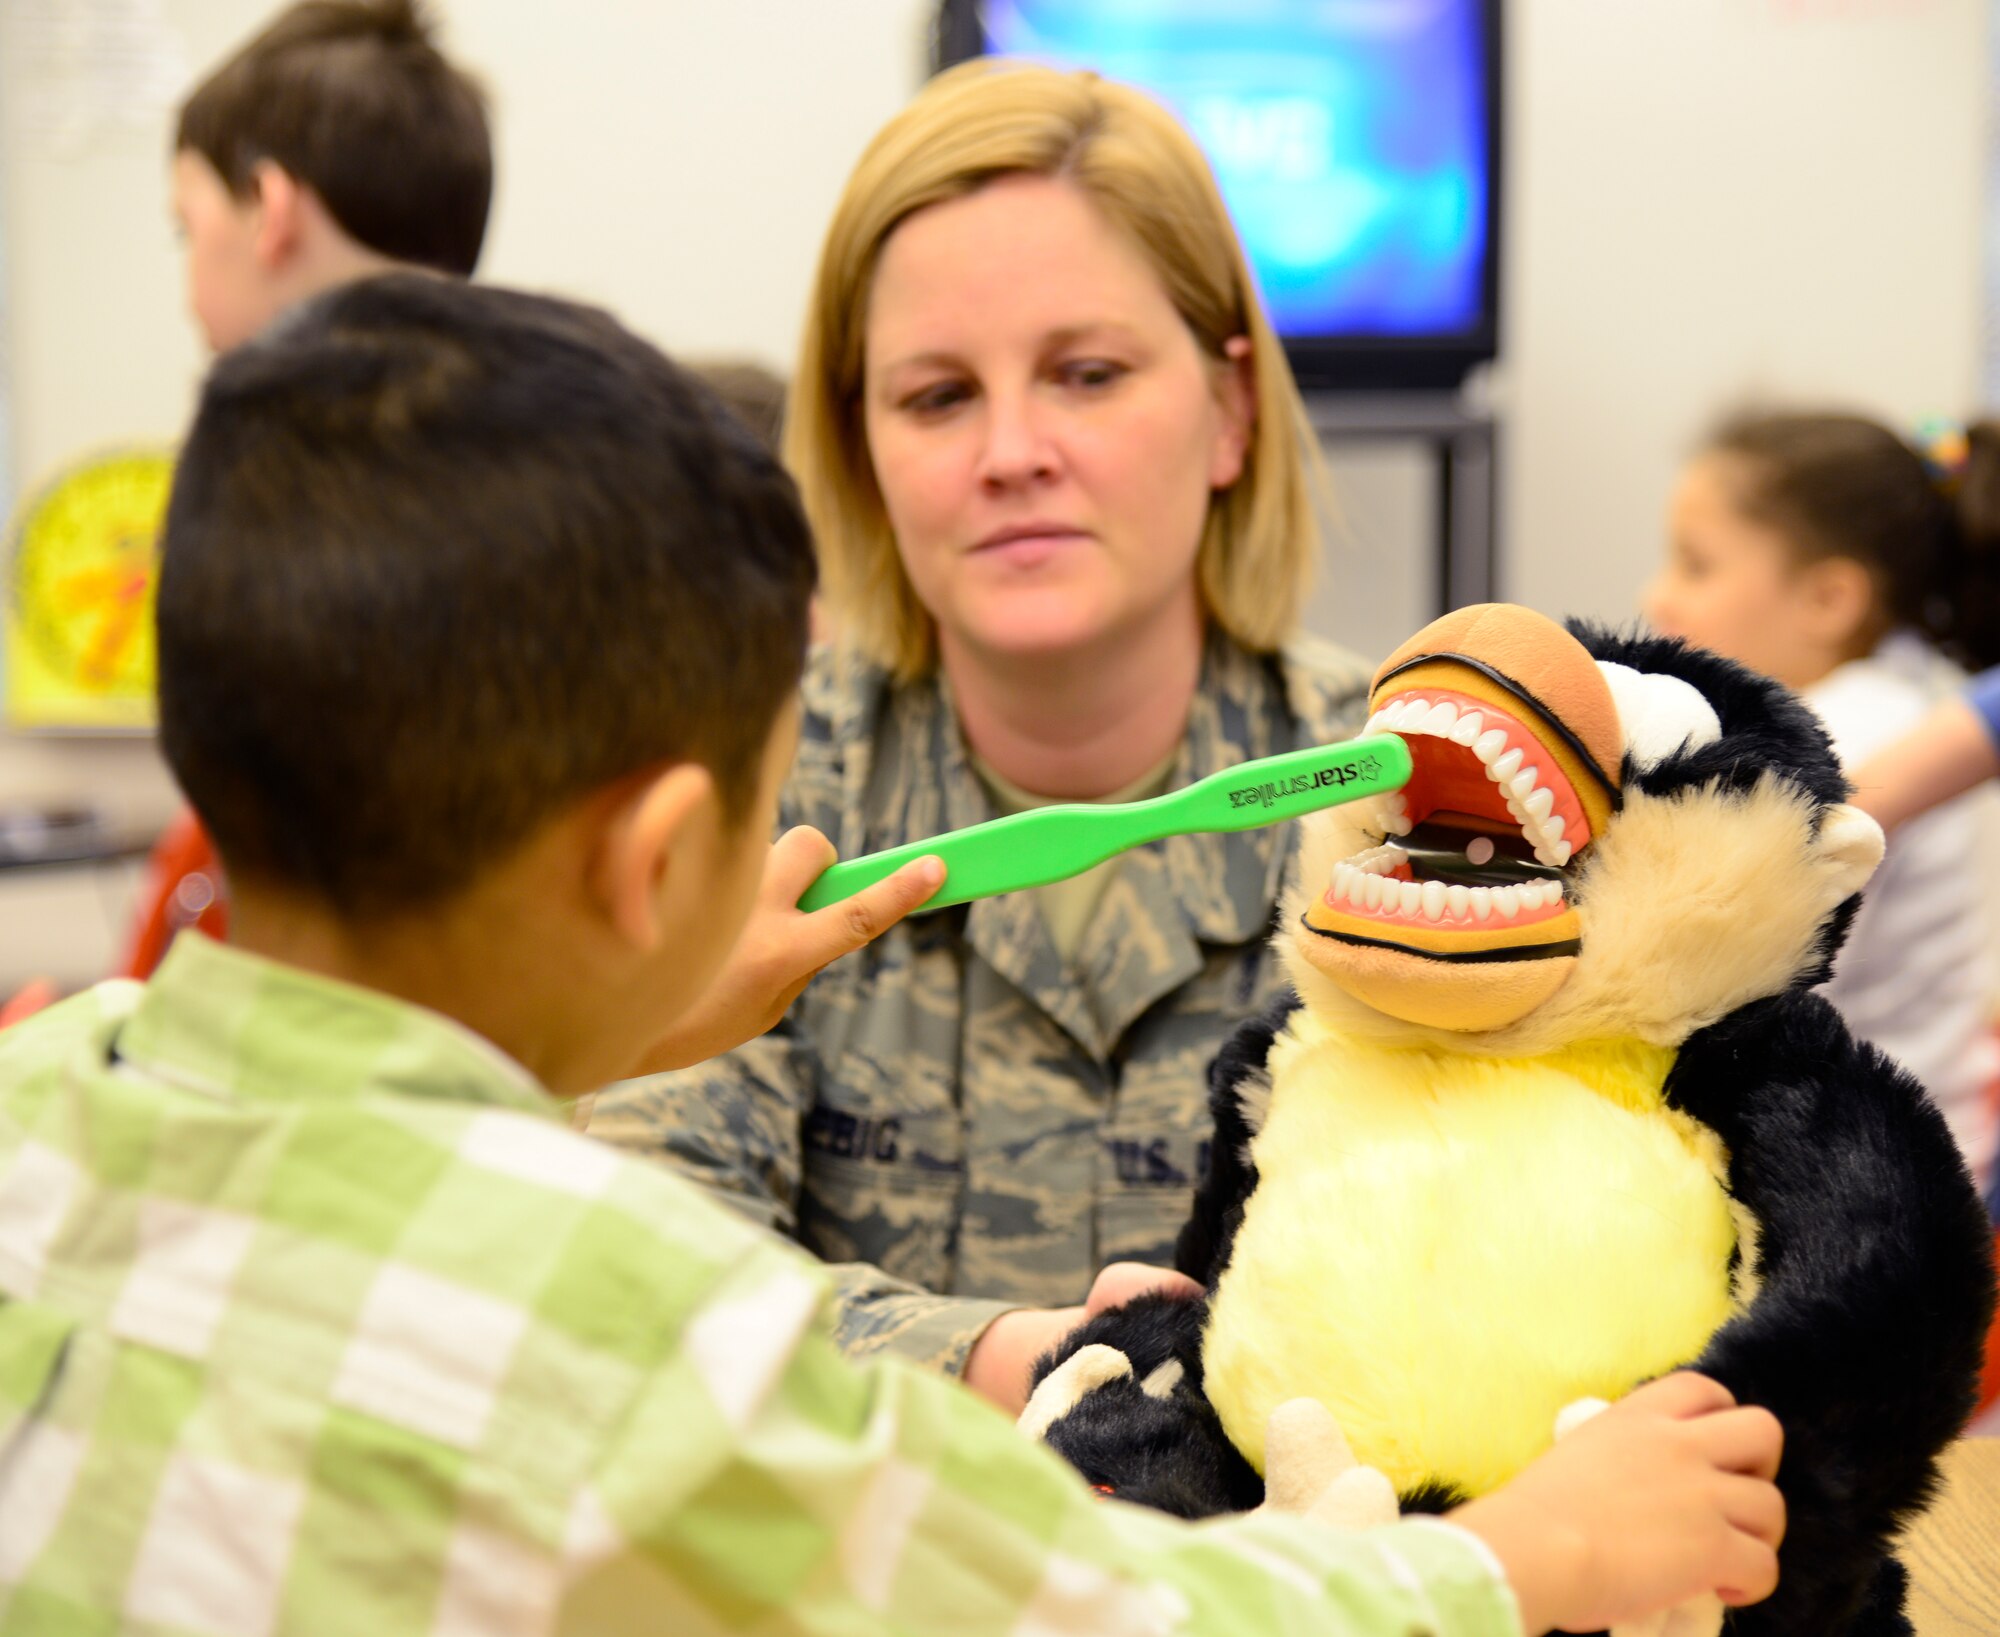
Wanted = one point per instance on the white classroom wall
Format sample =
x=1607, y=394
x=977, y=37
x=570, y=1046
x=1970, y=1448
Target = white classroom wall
x=1706, y=199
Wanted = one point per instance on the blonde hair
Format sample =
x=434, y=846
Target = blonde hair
x=993, y=117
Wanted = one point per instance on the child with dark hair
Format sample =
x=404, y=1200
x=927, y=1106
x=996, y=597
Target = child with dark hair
x=336, y=143
x=1830, y=553
x=754, y=393
x=479, y=630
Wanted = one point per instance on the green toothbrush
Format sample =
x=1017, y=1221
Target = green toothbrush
x=1051, y=843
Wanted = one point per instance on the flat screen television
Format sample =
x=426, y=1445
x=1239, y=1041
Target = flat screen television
x=1356, y=142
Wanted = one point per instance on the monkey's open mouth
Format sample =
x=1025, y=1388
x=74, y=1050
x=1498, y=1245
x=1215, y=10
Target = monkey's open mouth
x=1481, y=832
x=1462, y=911
x=1476, y=851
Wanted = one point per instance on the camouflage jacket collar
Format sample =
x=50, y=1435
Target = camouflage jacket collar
x=1166, y=899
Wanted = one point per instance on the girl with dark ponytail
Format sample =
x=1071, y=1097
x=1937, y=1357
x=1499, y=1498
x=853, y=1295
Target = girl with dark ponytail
x=1863, y=570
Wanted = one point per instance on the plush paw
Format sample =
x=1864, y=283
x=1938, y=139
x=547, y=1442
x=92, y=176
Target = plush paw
x=1572, y=1416
x=1310, y=1471
x=1698, y=1616
x=1084, y=1371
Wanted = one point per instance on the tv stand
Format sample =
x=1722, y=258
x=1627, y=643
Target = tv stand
x=1463, y=440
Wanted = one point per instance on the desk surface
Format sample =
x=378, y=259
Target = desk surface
x=1953, y=1551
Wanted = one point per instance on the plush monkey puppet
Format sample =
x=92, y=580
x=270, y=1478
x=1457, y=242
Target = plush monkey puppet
x=1554, y=1110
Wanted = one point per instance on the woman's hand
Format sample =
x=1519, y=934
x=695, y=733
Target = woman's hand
x=997, y=1368
x=1666, y=1496
x=783, y=948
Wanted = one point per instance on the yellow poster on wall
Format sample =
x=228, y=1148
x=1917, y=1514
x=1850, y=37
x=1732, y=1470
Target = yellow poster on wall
x=77, y=626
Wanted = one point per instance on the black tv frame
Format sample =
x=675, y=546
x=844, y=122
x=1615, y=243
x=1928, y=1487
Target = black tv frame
x=1351, y=363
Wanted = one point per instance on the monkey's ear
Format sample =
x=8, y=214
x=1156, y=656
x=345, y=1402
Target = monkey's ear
x=1063, y=1388
x=1846, y=851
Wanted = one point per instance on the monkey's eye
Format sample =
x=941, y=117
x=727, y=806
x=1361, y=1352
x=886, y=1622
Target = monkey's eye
x=1660, y=716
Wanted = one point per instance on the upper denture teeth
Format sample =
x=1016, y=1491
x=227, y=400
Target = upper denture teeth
x=1522, y=782
x=1489, y=744
x=1440, y=719
x=1538, y=804
x=1505, y=768
x=1560, y=854
x=1410, y=712
x=1466, y=729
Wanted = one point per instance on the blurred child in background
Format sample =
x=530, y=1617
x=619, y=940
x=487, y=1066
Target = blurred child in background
x=1827, y=552
x=336, y=143
x=752, y=392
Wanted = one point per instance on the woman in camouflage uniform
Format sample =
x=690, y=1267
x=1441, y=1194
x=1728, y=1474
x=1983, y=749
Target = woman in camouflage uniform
x=1059, y=474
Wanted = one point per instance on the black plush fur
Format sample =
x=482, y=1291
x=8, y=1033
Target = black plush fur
x=1167, y=1453
x=1876, y=1289
x=1872, y=1252
x=1202, y=1250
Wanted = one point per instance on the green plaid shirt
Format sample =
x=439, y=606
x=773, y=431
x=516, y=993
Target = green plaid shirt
x=315, y=1318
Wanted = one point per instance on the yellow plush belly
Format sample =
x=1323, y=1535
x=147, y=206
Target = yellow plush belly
x=1446, y=1250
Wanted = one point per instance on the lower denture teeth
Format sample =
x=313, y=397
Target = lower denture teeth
x=1371, y=888
x=1433, y=900
x=1409, y=897
x=1458, y=900
x=1482, y=903
x=1507, y=900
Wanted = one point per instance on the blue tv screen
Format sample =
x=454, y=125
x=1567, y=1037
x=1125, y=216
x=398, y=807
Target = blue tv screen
x=1354, y=142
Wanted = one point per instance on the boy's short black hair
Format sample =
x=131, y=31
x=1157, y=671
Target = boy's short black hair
x=352, y=98
x=441, y=560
